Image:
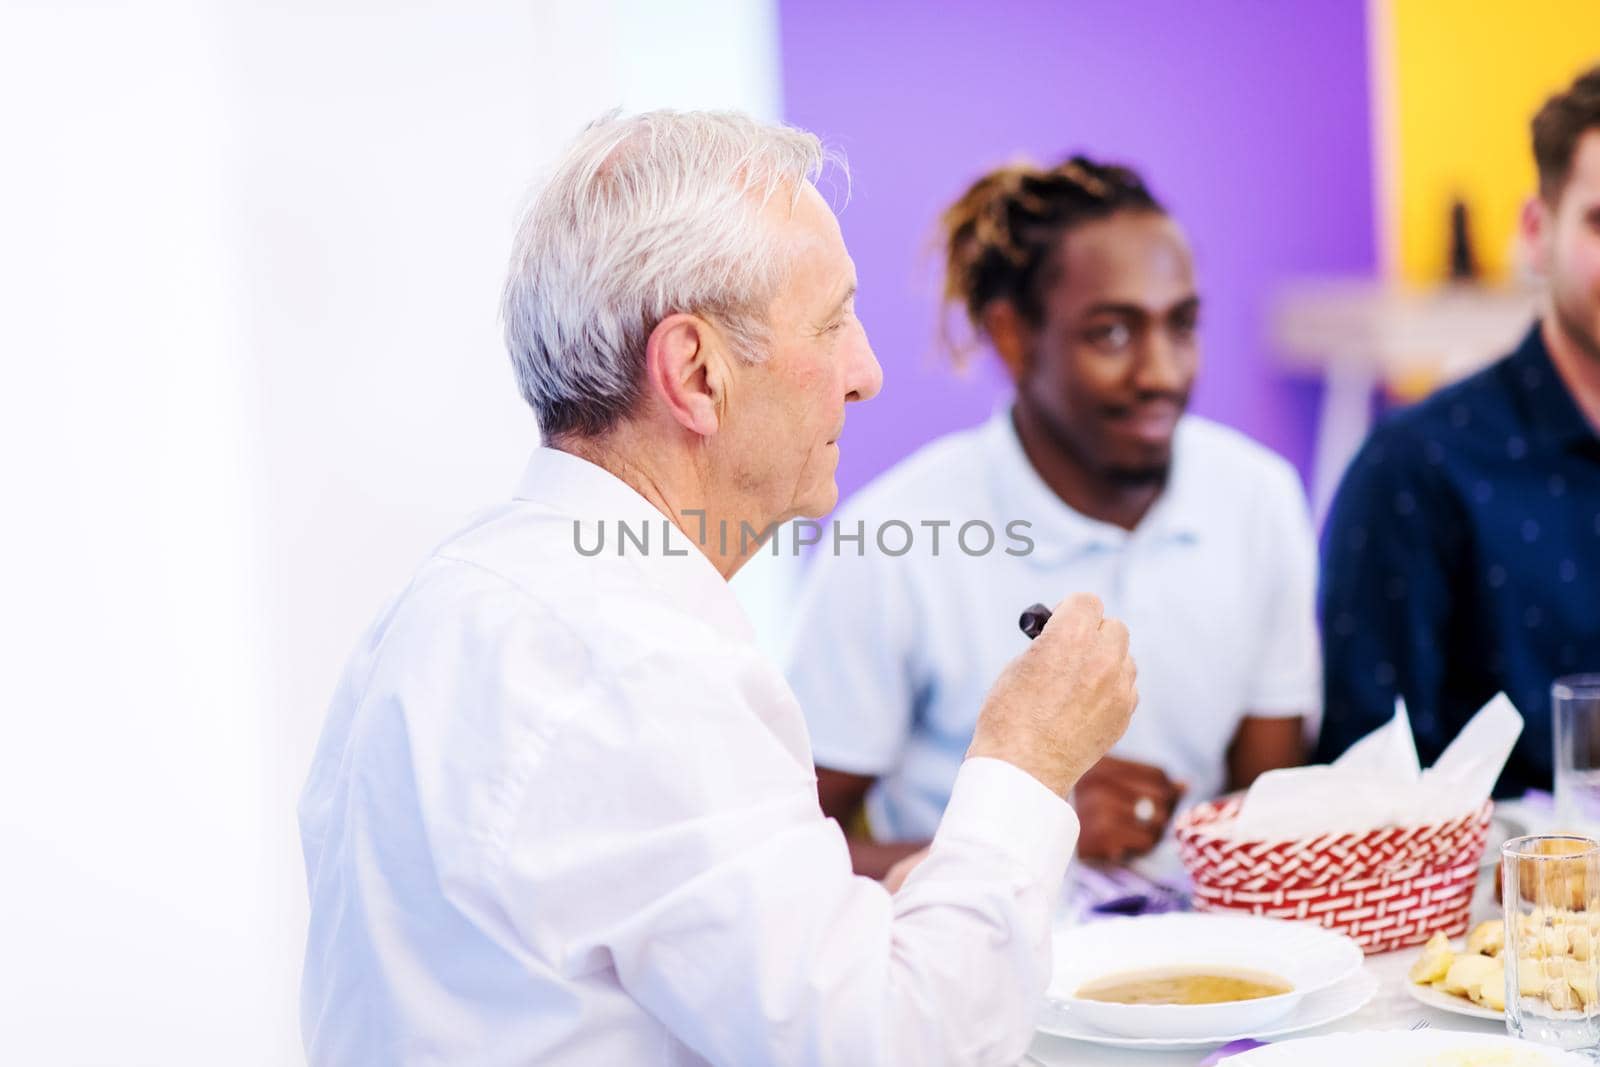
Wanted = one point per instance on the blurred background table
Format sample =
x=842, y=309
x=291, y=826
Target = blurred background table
x=1362, y=337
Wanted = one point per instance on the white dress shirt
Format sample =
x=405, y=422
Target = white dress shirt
x=892, y=656
x=564, y=812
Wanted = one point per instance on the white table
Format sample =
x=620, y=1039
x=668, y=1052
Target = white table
x=1391, y=1008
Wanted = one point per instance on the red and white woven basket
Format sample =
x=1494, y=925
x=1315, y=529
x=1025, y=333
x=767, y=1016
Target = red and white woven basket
x=1384, y=888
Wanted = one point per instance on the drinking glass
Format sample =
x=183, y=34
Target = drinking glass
x=1575, y=707
x=1551, y=894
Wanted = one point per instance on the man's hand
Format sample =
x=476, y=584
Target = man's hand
x=1123, y=808
x=1060, y=705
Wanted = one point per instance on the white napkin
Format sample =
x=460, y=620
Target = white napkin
x=1389, y=752
x=1378, y=782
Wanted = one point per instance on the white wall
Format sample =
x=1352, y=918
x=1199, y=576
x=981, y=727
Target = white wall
x=249, y=262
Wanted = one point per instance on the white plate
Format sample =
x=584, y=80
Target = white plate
x=1438, y=998
x=1324, y=1006
x=1305, y=955
x=1399, y=1048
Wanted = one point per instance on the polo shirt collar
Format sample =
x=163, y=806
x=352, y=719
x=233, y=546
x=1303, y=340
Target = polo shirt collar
x=1061, y=533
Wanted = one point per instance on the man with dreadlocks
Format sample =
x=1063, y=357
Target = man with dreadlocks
x=1084, y=287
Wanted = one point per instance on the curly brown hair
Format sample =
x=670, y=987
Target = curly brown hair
x=1001, y=237
x=1563, y=119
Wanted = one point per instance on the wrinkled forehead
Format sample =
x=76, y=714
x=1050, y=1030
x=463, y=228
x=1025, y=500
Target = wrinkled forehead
x=800, y=216
x=808, y=237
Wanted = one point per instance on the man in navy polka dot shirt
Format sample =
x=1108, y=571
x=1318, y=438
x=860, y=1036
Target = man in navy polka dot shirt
x=1462, y=555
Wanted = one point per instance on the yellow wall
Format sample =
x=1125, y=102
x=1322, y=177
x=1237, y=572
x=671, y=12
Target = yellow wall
x=1464, y=77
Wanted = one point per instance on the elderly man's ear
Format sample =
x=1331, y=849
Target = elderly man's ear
x=686, y=367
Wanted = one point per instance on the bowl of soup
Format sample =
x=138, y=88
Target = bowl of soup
x=1194, y=976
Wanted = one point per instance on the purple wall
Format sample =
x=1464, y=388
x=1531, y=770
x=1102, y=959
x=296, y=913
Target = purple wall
x=1249, y=120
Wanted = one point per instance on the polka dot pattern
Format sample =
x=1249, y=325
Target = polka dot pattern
x=1462, y=558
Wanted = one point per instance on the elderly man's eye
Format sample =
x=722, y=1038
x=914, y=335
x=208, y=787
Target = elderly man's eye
x=844, y=319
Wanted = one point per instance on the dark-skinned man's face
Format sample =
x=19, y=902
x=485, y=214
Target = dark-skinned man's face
x=1109, y=369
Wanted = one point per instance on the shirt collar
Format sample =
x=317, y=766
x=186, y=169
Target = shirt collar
x=588, y=494
x=1552, y=414
x=1060, y=532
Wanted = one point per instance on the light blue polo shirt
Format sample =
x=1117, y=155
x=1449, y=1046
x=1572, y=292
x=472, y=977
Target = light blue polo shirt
x=892, y=654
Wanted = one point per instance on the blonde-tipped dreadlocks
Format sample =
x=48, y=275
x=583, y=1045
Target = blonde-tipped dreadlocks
x=1002, y=235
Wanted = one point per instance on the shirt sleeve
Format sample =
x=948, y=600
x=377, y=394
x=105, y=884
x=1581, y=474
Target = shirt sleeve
x=1287, y=679
x=1390, y=553
x=850, y=657
x=673, y=834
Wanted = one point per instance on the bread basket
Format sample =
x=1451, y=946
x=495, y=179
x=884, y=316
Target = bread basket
x=1384, y=888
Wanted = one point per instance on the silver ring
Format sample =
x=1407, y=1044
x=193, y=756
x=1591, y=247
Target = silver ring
x=1144, y=809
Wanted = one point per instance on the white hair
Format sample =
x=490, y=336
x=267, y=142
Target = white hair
x=645, y=217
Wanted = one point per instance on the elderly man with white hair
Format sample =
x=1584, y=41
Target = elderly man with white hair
x=563, y=810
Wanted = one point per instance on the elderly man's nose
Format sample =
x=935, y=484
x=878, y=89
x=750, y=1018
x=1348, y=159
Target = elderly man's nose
x=868, y=378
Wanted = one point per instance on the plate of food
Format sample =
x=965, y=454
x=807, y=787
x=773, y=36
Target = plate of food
x=1406, y=1048
x=1469, y=979
x=1193, y=977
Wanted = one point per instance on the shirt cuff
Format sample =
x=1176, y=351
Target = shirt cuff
x=1000, y=805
